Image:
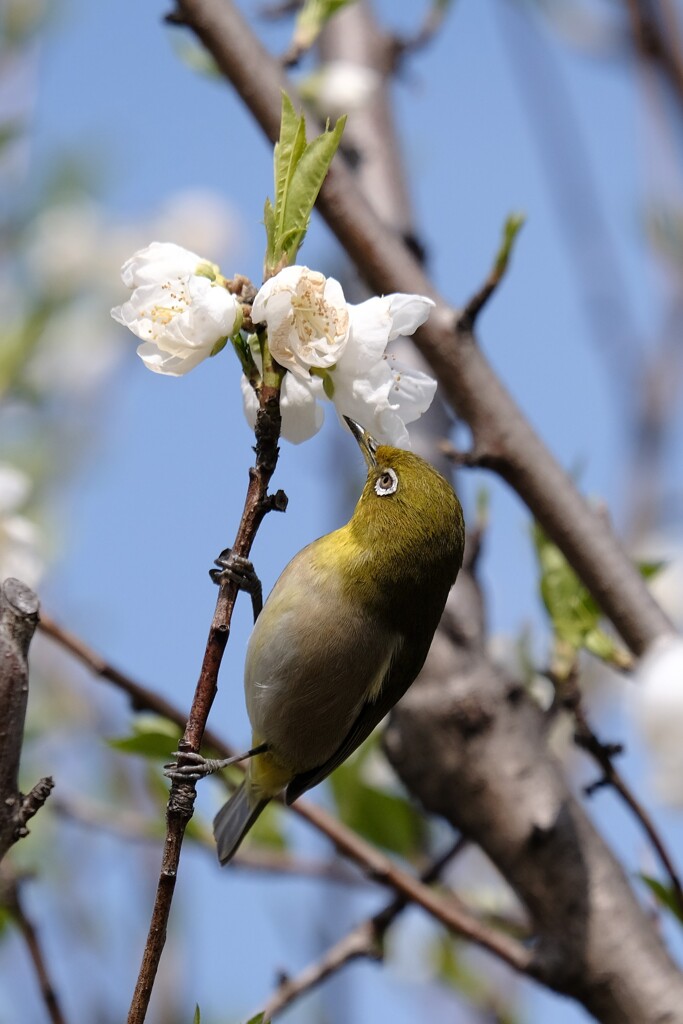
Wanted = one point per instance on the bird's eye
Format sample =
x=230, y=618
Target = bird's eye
x=386, y=483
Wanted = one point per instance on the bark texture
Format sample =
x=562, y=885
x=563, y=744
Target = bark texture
x=472, y=746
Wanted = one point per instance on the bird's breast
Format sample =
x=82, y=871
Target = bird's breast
x=316, y=655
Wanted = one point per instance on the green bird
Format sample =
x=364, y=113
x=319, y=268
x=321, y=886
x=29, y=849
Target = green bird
x=345, y=631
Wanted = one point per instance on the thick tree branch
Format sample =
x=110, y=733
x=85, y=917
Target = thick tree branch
x=479, y=398
x=472, y=746
x=18, y=619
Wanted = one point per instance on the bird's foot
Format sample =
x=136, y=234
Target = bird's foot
x=240, y=571
x=195, y=766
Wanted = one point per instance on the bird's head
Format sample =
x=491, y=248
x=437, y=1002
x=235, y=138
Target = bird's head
x=408, y=514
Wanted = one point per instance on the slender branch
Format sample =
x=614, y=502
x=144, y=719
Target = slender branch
x=446, y=909
x=355, y=945
x=131, y=826
x=497, y=424
x=433, y=20
x=182, y=795
x=468, y=317
x=365, y=940
x=375, y=865
x=603, y=754
x=142, y=698
x=10, y=893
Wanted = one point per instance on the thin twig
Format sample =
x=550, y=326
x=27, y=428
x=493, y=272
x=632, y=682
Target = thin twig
x=365, y=940
x=603, y=754
x=181, y=798
x=468, y=317
x=131, y=826
x=375, y=865
x=434, y=17
x=10, y=892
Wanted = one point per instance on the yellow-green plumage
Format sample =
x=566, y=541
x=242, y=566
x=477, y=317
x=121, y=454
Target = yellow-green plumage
x=345, y=631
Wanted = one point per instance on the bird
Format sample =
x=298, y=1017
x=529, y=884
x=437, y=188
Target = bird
x=344, y=632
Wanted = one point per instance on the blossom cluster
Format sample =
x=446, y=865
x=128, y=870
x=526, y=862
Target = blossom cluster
x=181, y=309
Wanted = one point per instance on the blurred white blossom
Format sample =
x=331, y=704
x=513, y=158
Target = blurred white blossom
x=20, y=539
x=657, y=707
x=340, y=87
x=337, y=351
x=74, y=356
x=63, y=244
x=667, y=584
x=198, y=219
x=179, y=307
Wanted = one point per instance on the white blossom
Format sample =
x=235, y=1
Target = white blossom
x=657, y=707
x=302, y=414
x=340, y=87
x=306, y=316
x=337, y=351
x=178, y=308
x=20, y=539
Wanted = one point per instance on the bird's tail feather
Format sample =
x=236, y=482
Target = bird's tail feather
x=234, y=820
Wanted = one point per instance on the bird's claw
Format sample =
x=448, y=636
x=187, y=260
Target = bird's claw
x=239, y=570
x=195, y=766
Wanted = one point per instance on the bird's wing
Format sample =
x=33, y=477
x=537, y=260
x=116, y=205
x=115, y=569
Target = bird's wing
x=399, y=675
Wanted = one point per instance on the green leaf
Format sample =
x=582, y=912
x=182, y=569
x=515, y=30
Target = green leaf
x=387, y=819
x=8, y=133
x=288, y=152
x=311, y=20
x=648, y=570
x=299, y=171
x=454, y=971
x=574, y=614
x=513, y=225
x=197, y=1019
x=664, y=894
x=6, y=920
x=258, y=1019
x=152, y=736
x=267, y=830
x=310, y=174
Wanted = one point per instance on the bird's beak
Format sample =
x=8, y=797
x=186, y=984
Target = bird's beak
x=366, y=442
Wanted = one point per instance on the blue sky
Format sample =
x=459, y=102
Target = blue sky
x=161, y=490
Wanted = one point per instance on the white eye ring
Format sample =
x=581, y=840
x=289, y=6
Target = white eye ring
x=387, y=483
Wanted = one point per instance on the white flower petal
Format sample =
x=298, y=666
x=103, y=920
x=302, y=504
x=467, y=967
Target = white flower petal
x=412, y=391
x=159, y=262
x=408, y=312
x=371, y=326
x=171, y=365
x=307, y=319
x=249, y=401
x=302, y=415
x=178, y=315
